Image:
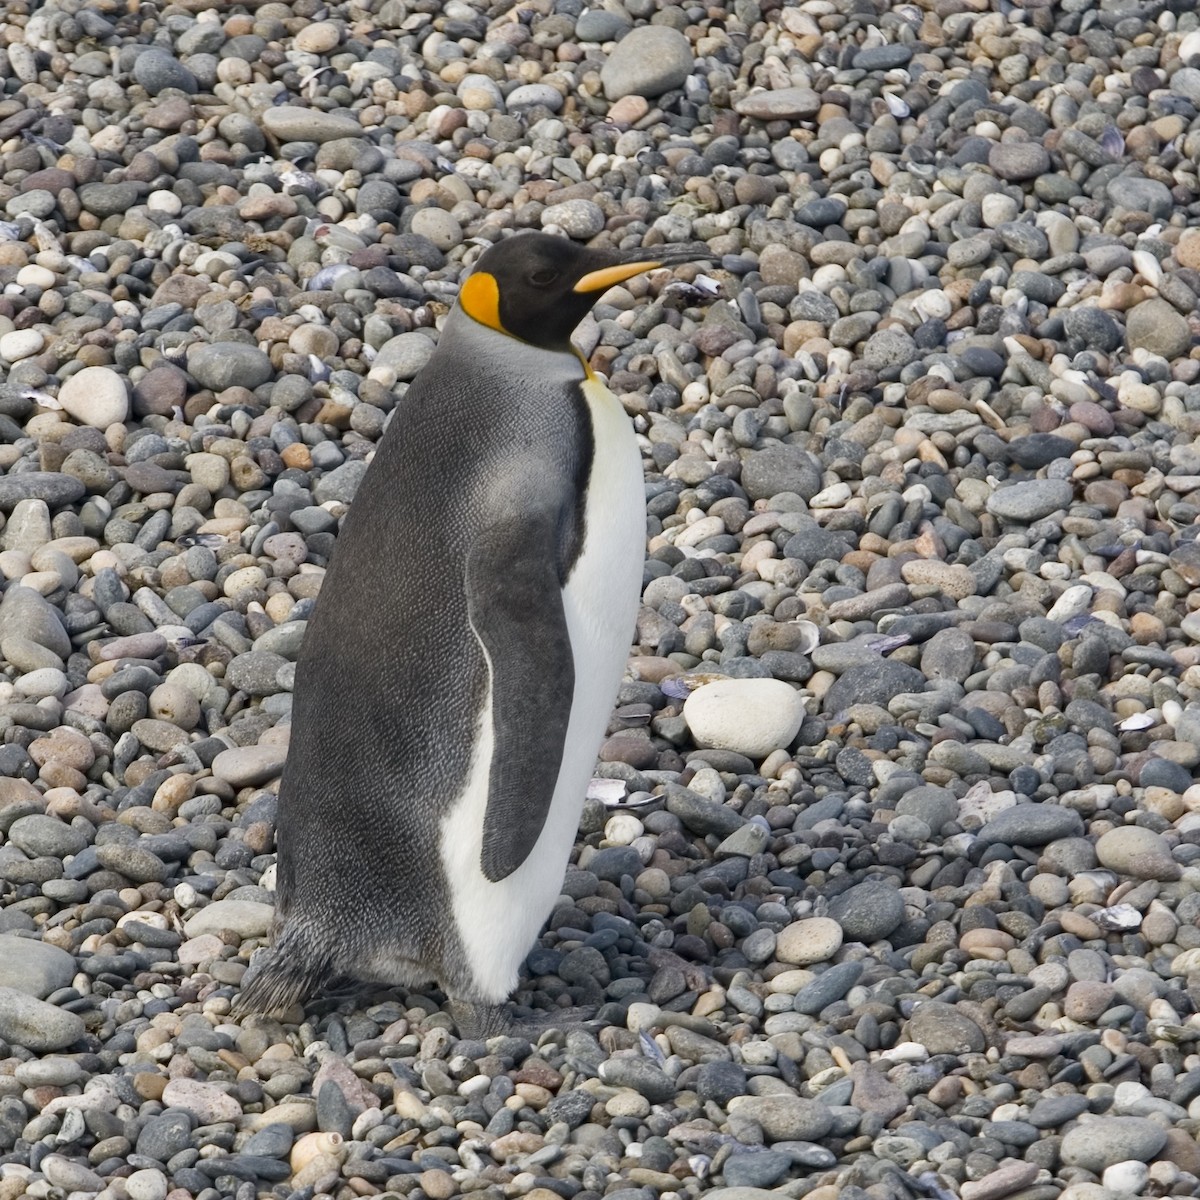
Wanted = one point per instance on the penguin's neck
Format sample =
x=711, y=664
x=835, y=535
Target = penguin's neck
x=495, y=349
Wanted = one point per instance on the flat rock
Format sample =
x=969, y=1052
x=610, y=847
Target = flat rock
x=207, y=1102
x=290, y=123
x=1031, y=825
x=249, y=766
x=782, y=104
x=246, y=918
x=1030, y=500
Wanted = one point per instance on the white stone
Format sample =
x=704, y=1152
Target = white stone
x=45, y=681
x=831, y=497
x=622, y=828
x=95, y=396
x=1126, y=1178
x=34, y=275
x=20, y=343
x=166, y=202
x=147, y=1184
x=749, y=716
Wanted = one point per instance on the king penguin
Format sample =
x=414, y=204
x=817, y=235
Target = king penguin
x=458, y=673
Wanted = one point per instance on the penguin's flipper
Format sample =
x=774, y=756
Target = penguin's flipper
x=515, y=606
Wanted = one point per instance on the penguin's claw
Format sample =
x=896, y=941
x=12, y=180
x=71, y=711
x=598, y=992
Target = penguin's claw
x=478, y=1021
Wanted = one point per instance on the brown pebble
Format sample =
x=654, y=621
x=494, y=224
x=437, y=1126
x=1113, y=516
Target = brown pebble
x=149, y=1085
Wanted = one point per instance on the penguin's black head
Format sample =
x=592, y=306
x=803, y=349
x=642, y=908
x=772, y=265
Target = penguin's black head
x=537, y=288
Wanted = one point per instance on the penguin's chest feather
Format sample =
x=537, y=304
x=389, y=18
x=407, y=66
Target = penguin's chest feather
x=498, y=917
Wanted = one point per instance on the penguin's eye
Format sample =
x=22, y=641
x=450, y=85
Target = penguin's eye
x=544, y=277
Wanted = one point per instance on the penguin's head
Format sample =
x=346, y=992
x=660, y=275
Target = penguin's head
x=536, y=287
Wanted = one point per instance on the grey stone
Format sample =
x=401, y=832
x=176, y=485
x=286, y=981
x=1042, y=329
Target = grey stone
x=647, y=61
x=1156, y=326
x=936, y=806
x=406, y=354
x=1031, y=825
x=156, y=70
x=1102, y=1141
x=1030, y=500
x=33, y=967
x=341, y=483
x=1141, y=195
x=780, y=104
x=36, y=1025
x=27, y=614
x=831, y=985
x=700, y=815
x=949, y=654
x=785, y=1118
x=943, y=1029
x=1016, y=161
x=868, y=911
x=889, y=348
x=220, y=365
x=289, y=123
x=51, y=486
x=641, y=1075
x=762, y=1170
x=776, y=469
x=872, y=683
x=41, y=835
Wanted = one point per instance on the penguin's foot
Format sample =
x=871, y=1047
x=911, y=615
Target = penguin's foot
x=479, y=1021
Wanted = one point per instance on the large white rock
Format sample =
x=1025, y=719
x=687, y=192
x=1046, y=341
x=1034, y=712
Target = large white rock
x=95, y=396
x=750, y=716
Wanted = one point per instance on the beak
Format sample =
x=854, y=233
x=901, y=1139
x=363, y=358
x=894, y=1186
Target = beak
x=646, y=260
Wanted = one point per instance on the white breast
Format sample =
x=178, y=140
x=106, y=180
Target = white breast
x=499, y=922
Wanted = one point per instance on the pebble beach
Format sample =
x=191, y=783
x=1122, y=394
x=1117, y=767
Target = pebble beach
x=888, y=884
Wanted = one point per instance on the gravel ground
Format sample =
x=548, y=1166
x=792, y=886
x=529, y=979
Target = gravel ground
x=889, y=886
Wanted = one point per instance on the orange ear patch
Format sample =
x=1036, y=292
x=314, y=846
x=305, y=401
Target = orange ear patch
x=480, y=300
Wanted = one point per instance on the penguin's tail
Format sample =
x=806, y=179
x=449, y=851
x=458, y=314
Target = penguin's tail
x=282, y=975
